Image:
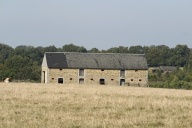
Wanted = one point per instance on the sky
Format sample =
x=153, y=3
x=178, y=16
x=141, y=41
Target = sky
x=98, y=24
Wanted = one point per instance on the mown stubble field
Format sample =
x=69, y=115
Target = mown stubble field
x=26, y=105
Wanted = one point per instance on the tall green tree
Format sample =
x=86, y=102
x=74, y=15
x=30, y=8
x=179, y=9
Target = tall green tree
x=73, y=48
x=180, y=55
x=21, y=68
x=136, y=49
x=120, y=49
x=5, y=52
x=94, y=50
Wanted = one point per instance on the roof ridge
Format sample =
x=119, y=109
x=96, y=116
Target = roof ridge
x=95, y=53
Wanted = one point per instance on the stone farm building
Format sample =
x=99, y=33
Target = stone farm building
x=94, y=68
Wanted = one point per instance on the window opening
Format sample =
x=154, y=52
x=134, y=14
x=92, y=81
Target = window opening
x=43, y=76
x=60, y=80
x=81, y=72
x=122, y=73
x=81, y=81
x=102, y=81
x=122, y=82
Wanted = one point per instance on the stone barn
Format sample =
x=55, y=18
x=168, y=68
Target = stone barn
x=94, y=68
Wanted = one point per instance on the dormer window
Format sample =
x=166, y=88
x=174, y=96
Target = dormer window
x=81, y=72
x=122, y=73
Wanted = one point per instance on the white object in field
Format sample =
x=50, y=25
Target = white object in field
x=6, y=80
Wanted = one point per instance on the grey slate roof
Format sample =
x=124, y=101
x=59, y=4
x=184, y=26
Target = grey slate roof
x=168, y=68
x=96, y=60
x=56, y=60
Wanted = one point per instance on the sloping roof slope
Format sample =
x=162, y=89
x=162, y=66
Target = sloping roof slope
x=168, y=68
x=56, y=60
x=96, y=60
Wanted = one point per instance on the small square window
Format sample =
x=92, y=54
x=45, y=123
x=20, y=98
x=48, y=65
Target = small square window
x=102, y=69
x=102, y=81
x=112, y=79
x=131, y=79
x=140, y=80
x=60, y=80
x=71, y=78
x=136, y=70
x=60, y=69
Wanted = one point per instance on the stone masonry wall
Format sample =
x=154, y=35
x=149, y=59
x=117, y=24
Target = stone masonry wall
x=92, y=76
x=70, y=76
x=137, y=77
x=44, y=75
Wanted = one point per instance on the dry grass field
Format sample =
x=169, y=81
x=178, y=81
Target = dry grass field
x=25, y=105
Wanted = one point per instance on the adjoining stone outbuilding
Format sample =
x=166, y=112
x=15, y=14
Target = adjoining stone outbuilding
x=163, y=69
x=167, y=69
x=94, y=68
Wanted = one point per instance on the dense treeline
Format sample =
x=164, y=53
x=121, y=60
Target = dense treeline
x=24, y=62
